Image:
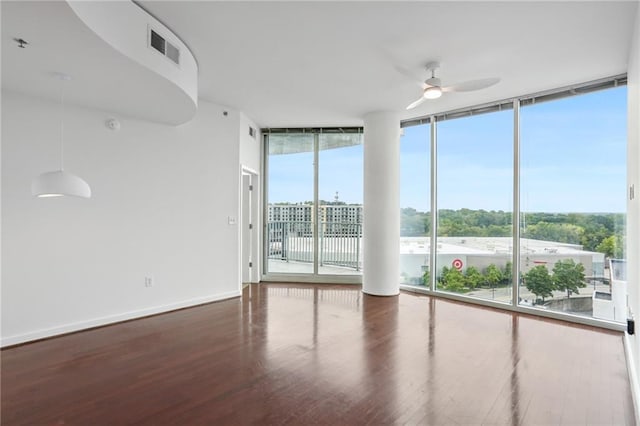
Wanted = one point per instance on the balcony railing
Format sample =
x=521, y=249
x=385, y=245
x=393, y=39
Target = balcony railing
x=339, y=243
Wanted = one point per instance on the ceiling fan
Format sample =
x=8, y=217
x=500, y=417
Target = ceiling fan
x=433, y=89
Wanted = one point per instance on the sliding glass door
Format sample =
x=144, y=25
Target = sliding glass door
x=314, y=203
x=340, y=174
x=290, y=216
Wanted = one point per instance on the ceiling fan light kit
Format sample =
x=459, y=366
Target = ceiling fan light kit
x=432, y=93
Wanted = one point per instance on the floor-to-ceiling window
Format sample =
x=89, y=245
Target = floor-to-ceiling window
x=314, y=202
x=573, y=203
x=530, y=195
x=558, y=160
x=415, y=205
x=475, y=201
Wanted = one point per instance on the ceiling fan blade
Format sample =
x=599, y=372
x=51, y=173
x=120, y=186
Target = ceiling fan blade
x=416, y=103
x=469, y=86
x=405, y=72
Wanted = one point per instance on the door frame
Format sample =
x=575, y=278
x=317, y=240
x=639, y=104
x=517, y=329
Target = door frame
x=315, y=276
x=249, y=235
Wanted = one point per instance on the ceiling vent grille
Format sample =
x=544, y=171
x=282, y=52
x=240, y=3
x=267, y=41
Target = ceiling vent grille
x=162, y=46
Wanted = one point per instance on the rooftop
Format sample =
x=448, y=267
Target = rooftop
x=487, y=245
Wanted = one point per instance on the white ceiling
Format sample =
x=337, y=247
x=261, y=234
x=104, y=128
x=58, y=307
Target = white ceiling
x=102, y=77
x=329, y=63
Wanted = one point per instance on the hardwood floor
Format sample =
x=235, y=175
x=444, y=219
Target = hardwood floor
x=287, y=354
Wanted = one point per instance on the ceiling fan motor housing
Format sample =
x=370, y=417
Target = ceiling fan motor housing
x=433, y=81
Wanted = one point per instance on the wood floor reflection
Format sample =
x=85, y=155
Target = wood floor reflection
x=294, y=354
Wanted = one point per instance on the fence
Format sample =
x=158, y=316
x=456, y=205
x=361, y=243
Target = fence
x=339, y=243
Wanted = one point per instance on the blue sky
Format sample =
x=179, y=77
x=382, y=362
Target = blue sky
x=573, y=159
x=291, y=175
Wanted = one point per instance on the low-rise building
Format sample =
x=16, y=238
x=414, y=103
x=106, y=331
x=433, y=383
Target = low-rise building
x=480, y=252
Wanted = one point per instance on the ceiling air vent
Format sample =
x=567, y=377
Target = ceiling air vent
x=161, y=45
x=173, y=53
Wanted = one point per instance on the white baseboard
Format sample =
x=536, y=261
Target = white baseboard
x=110, y=319
x=634, y=380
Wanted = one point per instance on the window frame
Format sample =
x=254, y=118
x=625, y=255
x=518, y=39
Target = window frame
x=513, y=104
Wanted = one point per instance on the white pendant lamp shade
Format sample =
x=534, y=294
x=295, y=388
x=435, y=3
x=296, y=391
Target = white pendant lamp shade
x=59, y=183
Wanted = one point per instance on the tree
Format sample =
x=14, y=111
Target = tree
x=560, y=232
x=507, y=276
x=498, y=231
x=452, y=279
x=440, y=280
x=426, y=278
x=612, y=247
x=594, y=233
x=568, y=276
x=493, y=274
x=539, y=282
x=607, y=246
x=414, y=223
x=472, y=277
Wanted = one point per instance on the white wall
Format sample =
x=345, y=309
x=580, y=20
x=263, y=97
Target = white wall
x=251, y=158
x=250, y=151
x=633, y=206
x=161, y=200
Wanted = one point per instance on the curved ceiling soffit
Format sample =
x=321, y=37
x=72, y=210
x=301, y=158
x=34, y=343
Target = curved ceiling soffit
x=126, y=28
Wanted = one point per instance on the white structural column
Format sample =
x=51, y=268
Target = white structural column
x=381, y=211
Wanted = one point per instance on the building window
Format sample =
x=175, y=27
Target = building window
x=573, y=203
x=475, y=204
x=415, y=206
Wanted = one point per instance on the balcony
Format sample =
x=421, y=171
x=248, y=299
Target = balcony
x=291, y=247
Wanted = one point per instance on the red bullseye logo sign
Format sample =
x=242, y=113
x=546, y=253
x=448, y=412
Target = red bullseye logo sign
x=457, y=263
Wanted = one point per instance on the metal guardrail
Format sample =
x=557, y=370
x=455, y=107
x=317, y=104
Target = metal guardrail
x=339, y=242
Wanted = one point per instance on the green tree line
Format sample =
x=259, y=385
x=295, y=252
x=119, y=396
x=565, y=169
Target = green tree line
x=453, y=279
x=601, y=232
x=566, y=275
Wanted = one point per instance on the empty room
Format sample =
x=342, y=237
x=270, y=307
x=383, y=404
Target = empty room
x=320, y=212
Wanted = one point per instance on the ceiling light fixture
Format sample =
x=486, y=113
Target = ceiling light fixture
x=433, y=92
x=60, y=183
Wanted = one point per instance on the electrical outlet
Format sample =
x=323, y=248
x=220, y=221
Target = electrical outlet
x=148, y=281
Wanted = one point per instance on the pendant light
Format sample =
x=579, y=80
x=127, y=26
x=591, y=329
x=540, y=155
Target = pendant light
x=60, y=183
